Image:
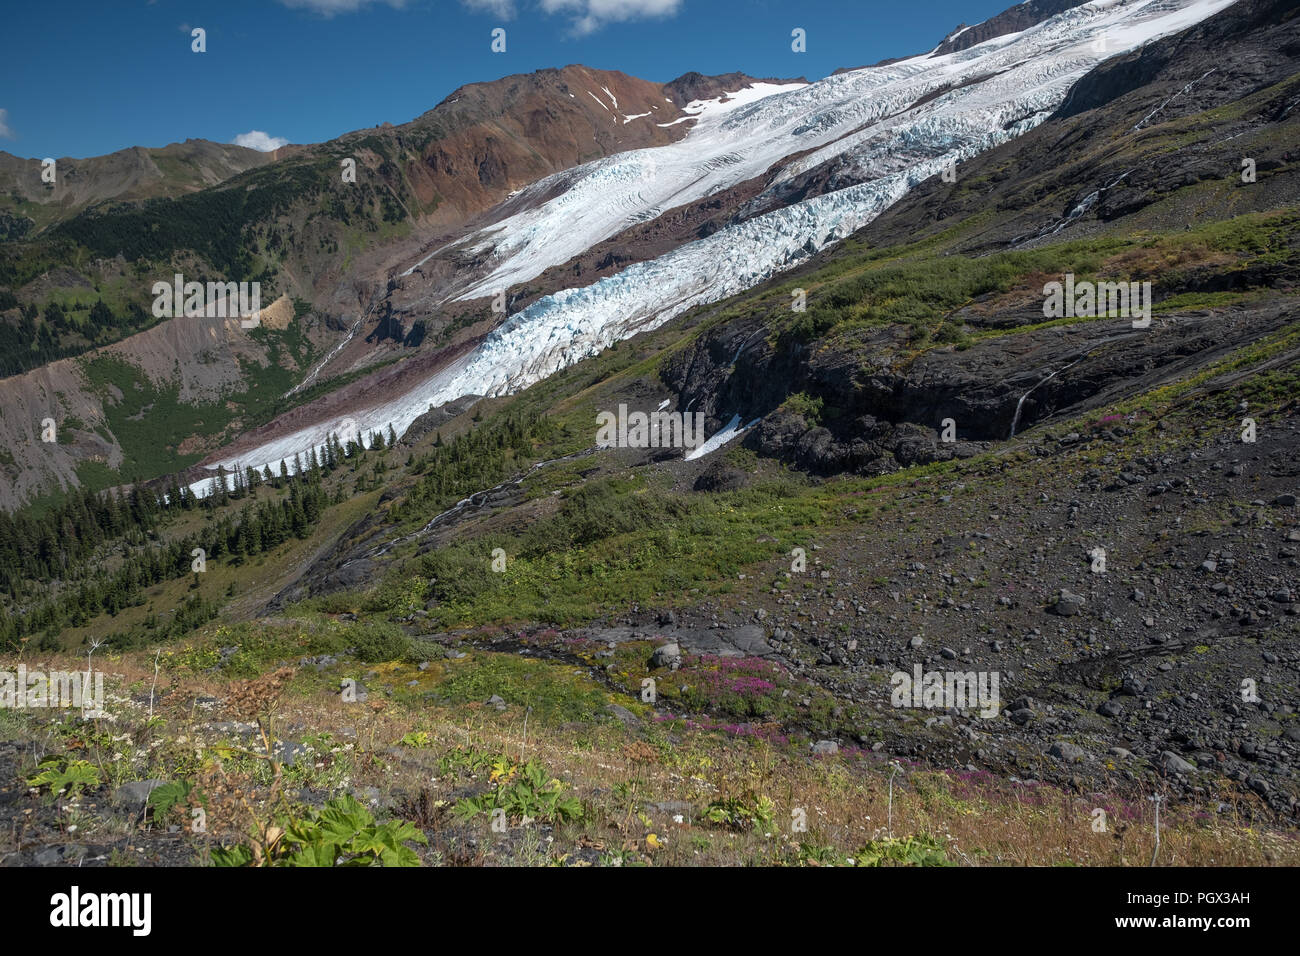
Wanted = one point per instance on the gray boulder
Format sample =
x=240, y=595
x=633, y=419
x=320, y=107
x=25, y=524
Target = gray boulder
x=1067, y=604
x=667, y=655
x=1172, y=763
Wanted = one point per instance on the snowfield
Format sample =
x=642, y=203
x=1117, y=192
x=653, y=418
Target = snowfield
x=866, y=119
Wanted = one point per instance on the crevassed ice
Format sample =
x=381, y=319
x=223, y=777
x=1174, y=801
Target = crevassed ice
x=993, y=92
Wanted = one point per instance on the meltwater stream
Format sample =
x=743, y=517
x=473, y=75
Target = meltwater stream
x=1021, y=404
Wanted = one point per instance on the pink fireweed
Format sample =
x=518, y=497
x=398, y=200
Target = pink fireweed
x=715, y=676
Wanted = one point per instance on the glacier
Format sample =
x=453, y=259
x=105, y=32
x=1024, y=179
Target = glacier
x=866, y=119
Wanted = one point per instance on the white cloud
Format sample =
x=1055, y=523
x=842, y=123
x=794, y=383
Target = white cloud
x=502, y=9
x=256, y=139
x=590, y=15
x=5, y=131
x=328, y=8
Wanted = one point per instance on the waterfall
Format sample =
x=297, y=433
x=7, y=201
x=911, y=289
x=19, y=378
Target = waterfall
x=1015, y=420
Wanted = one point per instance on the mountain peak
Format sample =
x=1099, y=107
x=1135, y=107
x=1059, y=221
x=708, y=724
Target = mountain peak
x=1012, y=20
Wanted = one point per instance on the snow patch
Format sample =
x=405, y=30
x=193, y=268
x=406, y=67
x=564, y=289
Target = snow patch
x=729, y=431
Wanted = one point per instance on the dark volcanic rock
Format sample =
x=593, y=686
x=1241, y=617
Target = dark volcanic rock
x=879, y=414
x=1013, y=20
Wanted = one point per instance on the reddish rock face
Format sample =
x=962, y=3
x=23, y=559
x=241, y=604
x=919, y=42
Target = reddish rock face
x=487, y=139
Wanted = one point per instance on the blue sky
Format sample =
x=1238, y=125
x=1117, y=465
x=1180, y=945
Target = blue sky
x=88, y=77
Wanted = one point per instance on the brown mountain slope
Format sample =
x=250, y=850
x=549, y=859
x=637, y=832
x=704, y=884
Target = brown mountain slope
x=200, y=367
x=488, y=139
